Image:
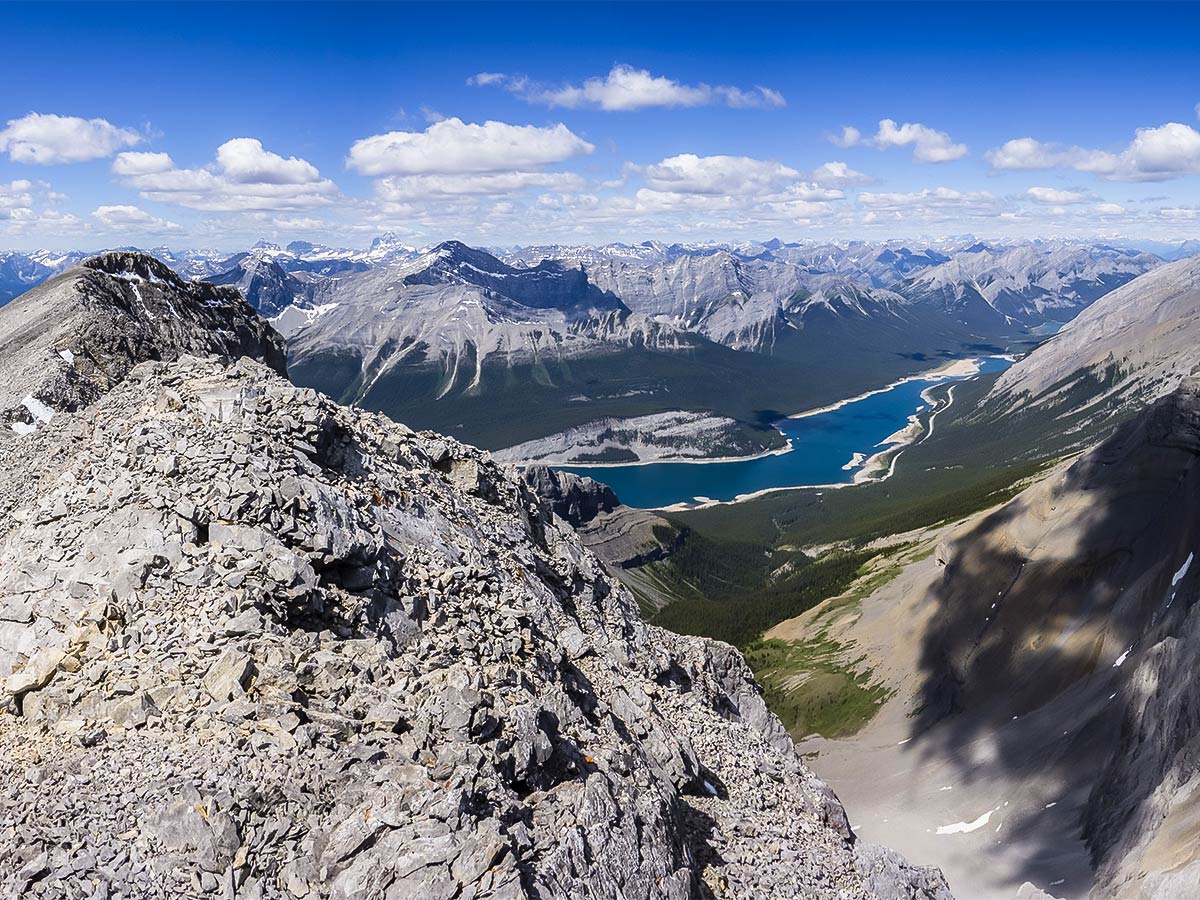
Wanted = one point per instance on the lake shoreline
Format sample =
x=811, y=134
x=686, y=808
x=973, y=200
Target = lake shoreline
x=813, y=470
x=956, y=368
x=866, y=473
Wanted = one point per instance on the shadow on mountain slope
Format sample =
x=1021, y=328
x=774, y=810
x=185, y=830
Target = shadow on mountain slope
x=1046, y=609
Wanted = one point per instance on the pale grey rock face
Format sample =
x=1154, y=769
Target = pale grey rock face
x=1029, y=284
x=1137, y=343
x=742, y=304
x=577, y=500
x=657, y=436
x=266, y=285
x=284, y=648
x=874, y=264
x=455, y=309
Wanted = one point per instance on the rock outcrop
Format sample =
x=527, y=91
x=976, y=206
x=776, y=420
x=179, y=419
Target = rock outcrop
x=67, y=341
x=576, y=499
x=622, y=536
x=255, y=644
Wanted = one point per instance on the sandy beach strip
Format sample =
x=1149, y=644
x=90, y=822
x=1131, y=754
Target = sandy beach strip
x=958, y=368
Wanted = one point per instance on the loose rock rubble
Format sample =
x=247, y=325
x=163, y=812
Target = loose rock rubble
x=255, y=644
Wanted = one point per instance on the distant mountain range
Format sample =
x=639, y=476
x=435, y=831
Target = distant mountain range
x=471, y=341
x=873, y=263
x=21, y=270
x=460, y=340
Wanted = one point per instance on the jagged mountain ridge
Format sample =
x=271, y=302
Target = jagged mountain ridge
x=452, y=308
x=548, y=285
x=883, y=264
x=878, y=264
x=457, y=327
x=1026, y=285
x=300, y=649
x=741, y=304
x=19, y=272
x=268, y=286
x=67, y=341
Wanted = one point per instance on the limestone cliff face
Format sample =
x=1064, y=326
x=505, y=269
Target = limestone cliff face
x=253, y=643
x=578, y=500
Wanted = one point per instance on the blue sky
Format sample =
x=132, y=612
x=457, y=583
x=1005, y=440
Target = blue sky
x=218, y=124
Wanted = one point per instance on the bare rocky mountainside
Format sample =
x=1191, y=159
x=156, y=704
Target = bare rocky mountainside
x=1032, y=284
x=1039, y=661
x=68, y=340
x=599, y=339
x=256, y=644
x=1131, y=346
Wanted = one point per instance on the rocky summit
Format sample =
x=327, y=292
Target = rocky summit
x=68, y=340
x=256, y=644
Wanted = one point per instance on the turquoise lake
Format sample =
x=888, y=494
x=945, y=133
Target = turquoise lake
x=822, y=445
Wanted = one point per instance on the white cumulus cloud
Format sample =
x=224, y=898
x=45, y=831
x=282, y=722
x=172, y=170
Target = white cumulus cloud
x=47, y=139
x=298, y=223
x=929, y=198
x=452, y=147
x=691, y=192
x=625, y=88
x=137, y=163
x=929, y=145
x=848, y=138
x=482, y=79
x=131, y=218
x=1155, y=154
x=1055, y=195
x=16, y=194
x=1027, y=153
x=408, y=187
x=839, y=174
x=244, y=177
x=245, y=161
x=692, y=174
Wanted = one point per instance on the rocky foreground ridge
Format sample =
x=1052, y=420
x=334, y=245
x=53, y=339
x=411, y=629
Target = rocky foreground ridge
x=255, y=644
